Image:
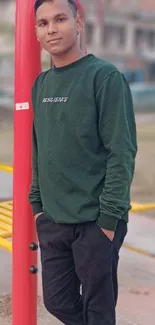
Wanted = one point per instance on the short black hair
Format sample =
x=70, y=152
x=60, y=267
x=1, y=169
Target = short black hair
x=72, y=3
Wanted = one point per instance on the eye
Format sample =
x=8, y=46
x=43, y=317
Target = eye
x=60, y=20
x=42, y=24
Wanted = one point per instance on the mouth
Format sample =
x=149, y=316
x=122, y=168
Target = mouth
x=53, y=41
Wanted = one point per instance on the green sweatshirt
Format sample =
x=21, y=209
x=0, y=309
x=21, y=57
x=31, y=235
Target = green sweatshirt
x=84, y=144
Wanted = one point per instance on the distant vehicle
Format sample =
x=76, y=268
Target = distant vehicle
x=6, y=99
x=143, y=97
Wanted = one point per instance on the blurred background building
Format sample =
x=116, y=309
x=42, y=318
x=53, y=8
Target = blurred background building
x=120, y=31
x=123, y=32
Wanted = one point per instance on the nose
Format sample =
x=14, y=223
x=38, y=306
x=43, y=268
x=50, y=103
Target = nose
x=52, y=28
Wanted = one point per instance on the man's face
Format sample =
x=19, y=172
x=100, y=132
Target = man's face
x=56, y=26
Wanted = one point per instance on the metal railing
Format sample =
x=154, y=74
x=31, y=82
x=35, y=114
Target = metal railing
x=6, y=220
x=6, y=225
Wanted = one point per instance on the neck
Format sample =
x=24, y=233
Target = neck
x=67, y=58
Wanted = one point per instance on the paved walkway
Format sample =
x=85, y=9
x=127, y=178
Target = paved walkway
x=6, y=185
x=136, y=305
x=136, y=297
x=136, y=279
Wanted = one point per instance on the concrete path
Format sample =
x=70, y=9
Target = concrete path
x=136, y=280
x=136, y=296
x=6, y=185
x=136, y=305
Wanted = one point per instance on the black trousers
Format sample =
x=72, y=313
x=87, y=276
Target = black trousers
x=74, y=256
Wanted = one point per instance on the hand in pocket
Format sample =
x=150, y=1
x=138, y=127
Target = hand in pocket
x=37, y=215
x=109, y=234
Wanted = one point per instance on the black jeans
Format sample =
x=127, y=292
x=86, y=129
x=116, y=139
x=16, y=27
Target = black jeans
x=74, y=255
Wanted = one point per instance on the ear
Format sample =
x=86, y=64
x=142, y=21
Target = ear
x=36, y=34
x=79, y=23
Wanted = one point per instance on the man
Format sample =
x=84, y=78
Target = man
x=84, y=148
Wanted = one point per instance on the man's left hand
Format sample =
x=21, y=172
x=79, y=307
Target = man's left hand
x=109, y=234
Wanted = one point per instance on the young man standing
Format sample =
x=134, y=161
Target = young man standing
x=84, y=148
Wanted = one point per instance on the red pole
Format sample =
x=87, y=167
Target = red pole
x=27, y=67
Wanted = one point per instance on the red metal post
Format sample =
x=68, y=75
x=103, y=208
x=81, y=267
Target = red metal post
x=27, y=67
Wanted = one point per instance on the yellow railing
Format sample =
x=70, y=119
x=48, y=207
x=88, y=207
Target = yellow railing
x=5, y=168
x=142, y=207
x=6, y=225
x=6, y=220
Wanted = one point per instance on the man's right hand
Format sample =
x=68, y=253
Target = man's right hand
x=37, y=215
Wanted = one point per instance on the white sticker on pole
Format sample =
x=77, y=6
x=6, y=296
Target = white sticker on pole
x=22, y=106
